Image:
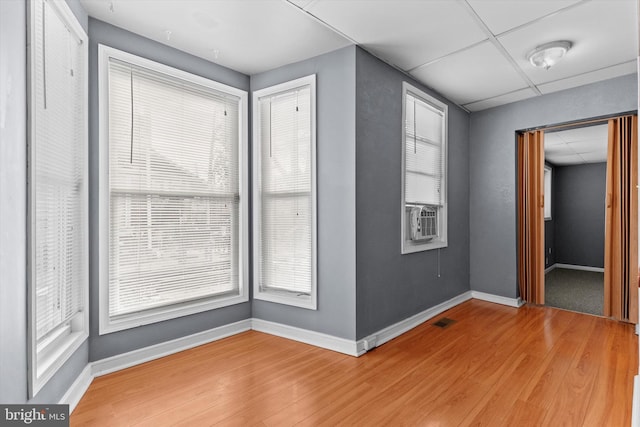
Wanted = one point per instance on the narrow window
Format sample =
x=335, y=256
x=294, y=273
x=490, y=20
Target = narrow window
x=284, y=209
x=424, y=171
x=58, y=203
x=172, y=237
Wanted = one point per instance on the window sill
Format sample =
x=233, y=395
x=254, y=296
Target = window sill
x=287, y=298
x=408, y=247
x=109, y=325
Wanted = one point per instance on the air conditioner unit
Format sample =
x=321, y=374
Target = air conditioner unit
x=424, y=222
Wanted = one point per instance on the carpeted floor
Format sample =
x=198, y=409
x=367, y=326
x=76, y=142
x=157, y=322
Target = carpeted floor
x=575, y=290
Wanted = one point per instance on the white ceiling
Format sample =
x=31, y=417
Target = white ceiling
x=576, y=146
x=471, y=51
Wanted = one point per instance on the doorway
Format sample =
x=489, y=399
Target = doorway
x=621, y=210
x=575, y=174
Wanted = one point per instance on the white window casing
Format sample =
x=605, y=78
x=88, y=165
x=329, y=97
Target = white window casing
x=284, y=193
x=58, y=263
x=173, y=156
x=424, y=203
x=548, y=176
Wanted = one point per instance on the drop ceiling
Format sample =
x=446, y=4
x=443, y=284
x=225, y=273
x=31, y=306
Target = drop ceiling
x=576, y=146
x=471, y=51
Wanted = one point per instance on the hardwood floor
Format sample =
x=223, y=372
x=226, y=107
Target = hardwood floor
x=495, y=366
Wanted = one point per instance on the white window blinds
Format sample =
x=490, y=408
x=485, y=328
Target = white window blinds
x=285, y=220
x=59, y=157
x=174, y=186
x=58, y=202
x=424, y=153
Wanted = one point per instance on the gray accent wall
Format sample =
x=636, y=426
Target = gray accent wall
x=391, y=286
x=336, y=175
x=101, y=346
x=492, y=168
x=580, y=208
x=13, y=216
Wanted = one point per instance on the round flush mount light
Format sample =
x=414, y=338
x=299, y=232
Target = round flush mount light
x=548, y=54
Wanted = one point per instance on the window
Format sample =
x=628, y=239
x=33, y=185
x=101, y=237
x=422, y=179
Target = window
x=284, y=208
x=58, y=204
x=424, y=171
x=172, y=161
x=547, y=192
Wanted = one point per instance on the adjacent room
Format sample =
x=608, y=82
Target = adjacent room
x=319, y=212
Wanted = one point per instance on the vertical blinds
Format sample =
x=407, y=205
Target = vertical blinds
x=424, y=154
x=174, y=190
x=59, y=156
x=285, y=189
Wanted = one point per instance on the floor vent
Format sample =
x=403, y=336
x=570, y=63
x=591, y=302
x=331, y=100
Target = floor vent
x=444, y=322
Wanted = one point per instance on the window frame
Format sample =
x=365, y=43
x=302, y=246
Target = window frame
x=283, y=297
x=46, y=357
x=548, y=172
x=409, y=246
x=106, y=323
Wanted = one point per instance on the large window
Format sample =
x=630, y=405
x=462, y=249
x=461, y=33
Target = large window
x=172, y=160
x=424, y=171
x=284, y=208
x=58, y=204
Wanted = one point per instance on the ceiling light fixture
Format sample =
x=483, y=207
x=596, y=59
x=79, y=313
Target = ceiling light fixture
x=548, y=54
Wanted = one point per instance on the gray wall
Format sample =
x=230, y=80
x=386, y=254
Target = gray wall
x=580, y=207
x=391, y=286
x=13, y=214
x=101, y=346
x=335, y=122
x=493, y=170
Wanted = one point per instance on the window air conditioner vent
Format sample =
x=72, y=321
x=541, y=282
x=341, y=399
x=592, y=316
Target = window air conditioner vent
x=424, y=223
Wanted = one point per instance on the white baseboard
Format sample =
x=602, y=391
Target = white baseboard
x=579, y=267
x=635, y=405
x=78, y=388
x=132, y=358
x=306, y=336
x=548, y=269
x=393, y=331
x=511, y=302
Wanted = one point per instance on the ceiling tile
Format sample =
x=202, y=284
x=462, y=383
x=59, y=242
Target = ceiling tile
x=250, y=36
x=595, y=157
x=471, y=75
x=507, y=98
x=585, y=133
x=572, y=159
x=500, y=15
x=551, y=139
x=603, y=34
x=589, y=145
x=407, y=33
x=592, y=77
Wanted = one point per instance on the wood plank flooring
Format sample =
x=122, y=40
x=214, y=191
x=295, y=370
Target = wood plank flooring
x=495, y=366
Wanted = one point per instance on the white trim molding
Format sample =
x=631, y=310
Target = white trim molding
x=329, y=342
x=579, y=267
x=511, y=302
x=393, y=331
x=142, y=355
x=78, y=388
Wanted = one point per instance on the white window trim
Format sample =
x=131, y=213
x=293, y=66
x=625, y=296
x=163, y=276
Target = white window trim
x=303, y=301
x=547, y=196
x=409, y=246
x=59, y=347
x=106, y=324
